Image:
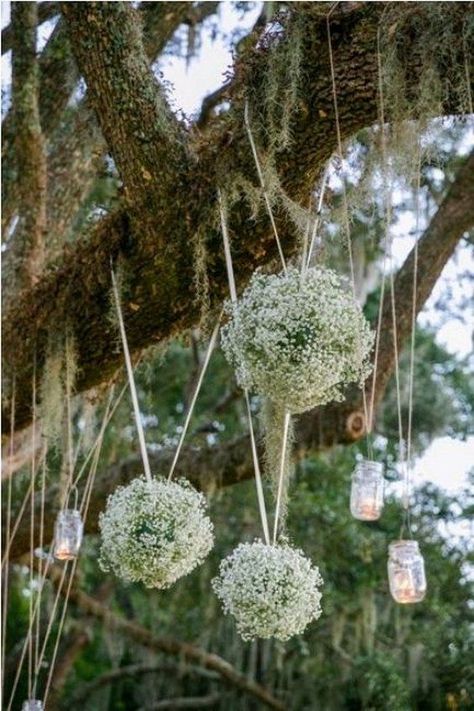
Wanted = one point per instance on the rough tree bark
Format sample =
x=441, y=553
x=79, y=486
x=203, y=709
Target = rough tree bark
x=77, y=153
x=158, y=259
x=27, y=254
x=215, y=467
x=57, y=78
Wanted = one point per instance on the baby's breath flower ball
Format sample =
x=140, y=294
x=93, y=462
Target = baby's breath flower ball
x=272, y=591
x=154, y=532
x=298, y=341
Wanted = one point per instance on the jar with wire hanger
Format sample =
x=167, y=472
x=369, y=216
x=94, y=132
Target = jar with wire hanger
x=367, y=490
x=68, y=531
x=32, y=705
x=406, y=572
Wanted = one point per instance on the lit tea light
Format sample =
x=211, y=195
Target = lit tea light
x=32, y=705
x=367, y=490
x=68, y=534
x=406, y=572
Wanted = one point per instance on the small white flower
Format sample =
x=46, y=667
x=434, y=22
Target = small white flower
x=154, y=532
x=298, y=342
x=272, y=591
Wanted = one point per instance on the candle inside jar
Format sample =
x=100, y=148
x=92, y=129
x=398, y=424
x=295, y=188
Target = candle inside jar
x=368, y=509
x=64, y=552
x=68, y=534
x=403, y=586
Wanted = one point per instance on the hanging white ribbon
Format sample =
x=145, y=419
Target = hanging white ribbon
x=262, y=183
x=286, y=423
x=131, y=381
x=233, y=296
x=207, y=358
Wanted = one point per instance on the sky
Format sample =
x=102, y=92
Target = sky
x=446, y=461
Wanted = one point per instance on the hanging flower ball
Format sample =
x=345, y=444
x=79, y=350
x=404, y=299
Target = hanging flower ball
x=154, y=532
x=272, y=591
x=299, y=341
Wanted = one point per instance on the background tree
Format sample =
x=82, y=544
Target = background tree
x=97, y=167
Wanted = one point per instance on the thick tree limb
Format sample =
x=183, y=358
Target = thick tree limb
x=26, y=257
x=57, y=78
x=161, y=284
x=46, y=11
x=77, y=152
x=209, y=467
x=143, y=136
x=170, y=646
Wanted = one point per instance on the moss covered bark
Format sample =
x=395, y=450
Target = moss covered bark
x=156, y=246
x=25, y=260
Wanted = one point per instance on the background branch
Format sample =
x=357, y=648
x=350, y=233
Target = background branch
x=167, y=645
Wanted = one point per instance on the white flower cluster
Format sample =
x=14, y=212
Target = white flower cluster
x=154, y=532
x=298, y=341
x=272, y=591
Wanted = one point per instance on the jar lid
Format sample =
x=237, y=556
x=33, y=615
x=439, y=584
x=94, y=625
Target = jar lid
x=70, y=513
x=368, y=466
x=404, y=544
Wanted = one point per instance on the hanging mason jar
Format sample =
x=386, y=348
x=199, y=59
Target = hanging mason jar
x=32, y=705
x=367, y=490
x=406, y=572
x=68, y=534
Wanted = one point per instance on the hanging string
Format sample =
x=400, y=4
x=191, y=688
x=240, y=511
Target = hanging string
x=389, y=248
x=7, y=532
x=16, y=525
x=318, y=217
x=387, y=195
x=197, y=389
x=344, y=198
x=109, y=413
x=408, y=464
x=70, y=453
x=286, y=423
x=87, y=492
x=32, y=529
x=131, y=380
x=40, y=559
x=84, y=508
x=468, y=74
x=233, y=296
x=263, y=186
x=59, y=633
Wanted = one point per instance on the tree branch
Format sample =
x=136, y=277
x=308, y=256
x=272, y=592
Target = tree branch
x=46, y=11
x=185, y=702
x=143, y=136
x=77, y=152
x=160, y=283
x=168, y=645
x=26, y=258
x=133, y=670
x=208, y=467
x=57, y=78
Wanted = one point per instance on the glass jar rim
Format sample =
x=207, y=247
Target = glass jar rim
x=406, y=543
x=70, y=513
x=368, y=465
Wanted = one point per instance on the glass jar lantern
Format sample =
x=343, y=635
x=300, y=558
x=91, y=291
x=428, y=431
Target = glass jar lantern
x=68, y=534
x=367, y=490
x=32, y=705
x=406, y=572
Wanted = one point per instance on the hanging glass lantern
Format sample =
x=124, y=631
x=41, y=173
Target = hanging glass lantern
x=68, y=534
x=32, y=705
x=367, y=490
x=406, y=572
